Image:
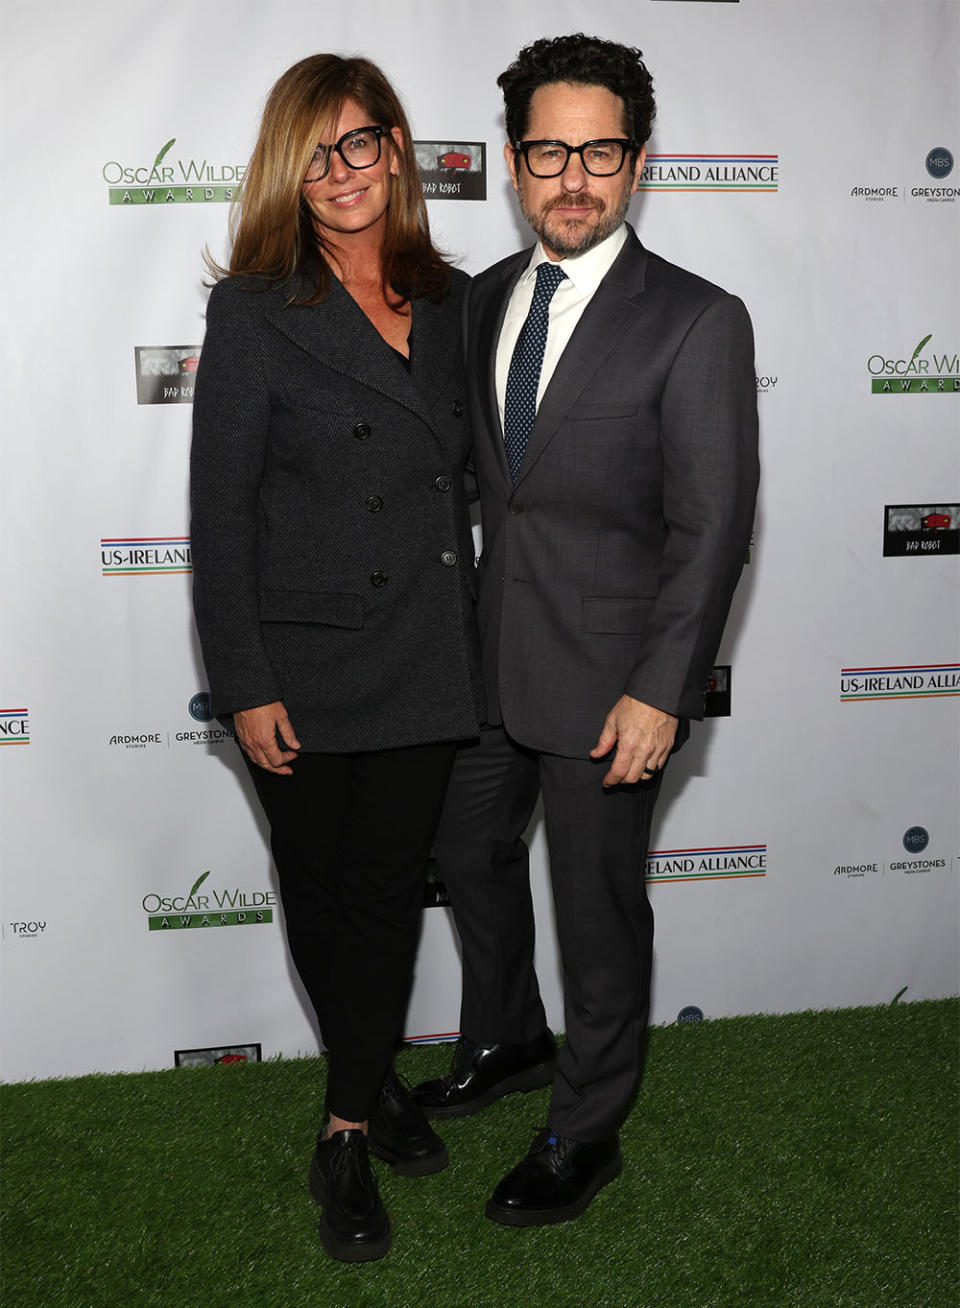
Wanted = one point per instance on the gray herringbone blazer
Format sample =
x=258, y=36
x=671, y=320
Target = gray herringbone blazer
x=609, y=566
x=332, y=555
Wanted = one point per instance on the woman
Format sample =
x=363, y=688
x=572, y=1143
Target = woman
x=333, y=578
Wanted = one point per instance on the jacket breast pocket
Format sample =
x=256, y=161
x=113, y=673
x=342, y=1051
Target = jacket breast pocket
x=615, y=615
x=327, y=608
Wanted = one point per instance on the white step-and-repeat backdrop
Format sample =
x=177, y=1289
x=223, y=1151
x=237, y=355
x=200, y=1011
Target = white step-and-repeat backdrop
x=805, y=156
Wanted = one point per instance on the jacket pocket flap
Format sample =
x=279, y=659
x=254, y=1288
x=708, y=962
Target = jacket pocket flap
x=615, y=615
x=326, y=607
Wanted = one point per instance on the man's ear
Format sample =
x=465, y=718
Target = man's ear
x=638, y=169
x=512, y=158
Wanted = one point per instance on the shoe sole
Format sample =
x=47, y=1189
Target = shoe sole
x=551, y=1216
x=425, y=1165
x=345, y=1251
x=534, y=1078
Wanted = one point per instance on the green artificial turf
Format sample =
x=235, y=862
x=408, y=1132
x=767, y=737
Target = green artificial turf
x=803, y=1160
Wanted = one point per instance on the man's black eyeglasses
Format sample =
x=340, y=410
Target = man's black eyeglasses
x=602, y=158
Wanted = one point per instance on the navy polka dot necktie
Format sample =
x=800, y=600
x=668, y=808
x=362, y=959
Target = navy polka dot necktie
x=523, y=379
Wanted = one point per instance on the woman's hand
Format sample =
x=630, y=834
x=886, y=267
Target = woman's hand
x=260, y=731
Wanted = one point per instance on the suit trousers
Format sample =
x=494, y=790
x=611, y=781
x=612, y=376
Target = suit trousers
x=597, y=841
x=350, y=836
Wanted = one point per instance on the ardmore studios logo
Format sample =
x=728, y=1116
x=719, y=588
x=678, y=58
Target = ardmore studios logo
x=908, y=681
x=712, y=863
x=921, y=374
x=144, y=556
x=710, y=172
x=171, y=179
x=165, y=373
x=921, y=530
x=209, y=908
x=915, y=841
x=938, y=164
x=15, y=726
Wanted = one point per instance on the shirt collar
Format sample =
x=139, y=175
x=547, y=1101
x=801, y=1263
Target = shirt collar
x=585, y=271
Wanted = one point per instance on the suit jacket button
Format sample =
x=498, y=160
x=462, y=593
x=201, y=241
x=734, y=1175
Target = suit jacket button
x=457, y=407
x=378, y=579
x=515, y=507
x=448, y=558
x=443, y=483
x=373, y=504
x=361, y=431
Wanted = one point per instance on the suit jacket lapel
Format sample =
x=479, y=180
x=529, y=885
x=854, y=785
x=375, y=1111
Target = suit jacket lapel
x=340, y=336
x=616, y=304
x=488, y=309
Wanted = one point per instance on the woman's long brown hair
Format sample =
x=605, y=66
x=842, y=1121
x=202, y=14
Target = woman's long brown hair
x=270, y=225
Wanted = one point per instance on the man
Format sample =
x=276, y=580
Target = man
x=614, y=404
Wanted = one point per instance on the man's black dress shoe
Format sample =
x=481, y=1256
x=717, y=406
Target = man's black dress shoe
x=400, y=1133
x=555, y=1182
x=354, y=1227
x=482, y=1073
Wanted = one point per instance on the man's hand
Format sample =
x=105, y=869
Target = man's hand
x=257, y=730
x=643, y=736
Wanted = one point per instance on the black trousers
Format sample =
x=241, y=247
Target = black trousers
x=350, y=835
x=598, y=844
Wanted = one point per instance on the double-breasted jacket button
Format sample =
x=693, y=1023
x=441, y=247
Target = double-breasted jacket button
x=378, y=579
x=443, y=483
x=448, y=558
x=361, y=431
x=457, y=407
x=515, y=507
x=373, y=504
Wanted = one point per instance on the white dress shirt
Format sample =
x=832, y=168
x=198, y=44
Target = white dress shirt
x=584, y=273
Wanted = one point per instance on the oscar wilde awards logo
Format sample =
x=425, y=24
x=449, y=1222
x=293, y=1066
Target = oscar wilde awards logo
x=921, y=530
x=712, y=863
x=710, y=172
x=908, y=681
x=15, y=726
x=452, y=170
x=915, y=841
x=200, y=909
x=165, y=373
x=144, y=556
x=171, y=180
x=921, y=374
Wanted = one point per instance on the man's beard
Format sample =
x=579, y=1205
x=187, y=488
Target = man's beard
x=565, y=239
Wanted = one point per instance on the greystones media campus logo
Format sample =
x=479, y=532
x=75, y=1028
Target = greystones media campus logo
x=909, y=681
x=200, y=909
x=171, y=179
x=165, y=373
x=144, y=556
x=924, y=373
x=921, y=530
x=713, y=863
x=915, y=841
x=710, y=172
x=452, y=170
x=15, y=726
x=938, y=164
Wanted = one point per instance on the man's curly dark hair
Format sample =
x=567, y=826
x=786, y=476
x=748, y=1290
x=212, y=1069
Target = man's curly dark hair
x=586, y=61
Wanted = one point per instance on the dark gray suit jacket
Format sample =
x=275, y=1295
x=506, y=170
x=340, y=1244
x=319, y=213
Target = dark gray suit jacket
x=332, y=555
x=609, y=566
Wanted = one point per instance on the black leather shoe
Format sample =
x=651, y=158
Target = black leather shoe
x=401, y=1135
x=354, y=1227
x=482, y=1073
x=555, y=1182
